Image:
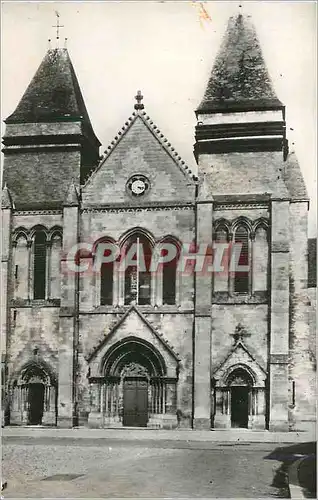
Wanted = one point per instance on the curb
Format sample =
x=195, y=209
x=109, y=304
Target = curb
x=295, y=489
x=143, y=435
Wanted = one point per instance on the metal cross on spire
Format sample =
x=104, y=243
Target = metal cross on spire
x=58, y=25
x=139, y=98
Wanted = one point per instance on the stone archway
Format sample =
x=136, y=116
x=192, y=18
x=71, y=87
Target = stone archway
x=134, y=389
x=34, y=396
x=239, y=399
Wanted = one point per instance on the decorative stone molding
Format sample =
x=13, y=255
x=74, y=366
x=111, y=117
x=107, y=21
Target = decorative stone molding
x=238, y=206
x=280, y=247
x=136, y=209
x=35, y=303
x=279, y=359
x=260, y=297
x=37, y=212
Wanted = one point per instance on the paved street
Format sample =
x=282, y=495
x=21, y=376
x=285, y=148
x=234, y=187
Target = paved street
x=95, y=468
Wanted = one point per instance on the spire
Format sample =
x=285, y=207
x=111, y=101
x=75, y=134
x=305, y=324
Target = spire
x=71, y=198
x=239, y=79
x=6, y=201
x=53, y=95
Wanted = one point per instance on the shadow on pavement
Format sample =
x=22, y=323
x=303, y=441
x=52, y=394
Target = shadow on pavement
x=287, y=455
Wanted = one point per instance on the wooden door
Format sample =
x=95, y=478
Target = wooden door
x=239, y=406
x=135, y=402
x=36, y=403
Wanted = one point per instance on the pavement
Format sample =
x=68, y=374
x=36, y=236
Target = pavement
x=140, y=463
x=68, y=468
x=126, y=433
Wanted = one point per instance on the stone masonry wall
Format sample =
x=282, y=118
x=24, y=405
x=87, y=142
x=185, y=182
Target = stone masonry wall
x=33, y=327
x=225, y=318
x=302, y=358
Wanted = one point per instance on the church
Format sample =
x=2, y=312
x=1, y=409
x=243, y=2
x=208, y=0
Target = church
x=178, y=346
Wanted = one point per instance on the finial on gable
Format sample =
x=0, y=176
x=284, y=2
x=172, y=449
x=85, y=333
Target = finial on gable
x=139, y=97
x=239, y=334
x=6, y=200
x=71, y=198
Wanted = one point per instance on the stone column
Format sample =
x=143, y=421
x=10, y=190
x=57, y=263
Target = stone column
x=68, y=311
x=260, y=408
x=202, y=322
x=95, y=417
x=166, y=395
x=6, y=211
x=48, y=270
x=171, y=397
x=279, y=316
x=222, y=417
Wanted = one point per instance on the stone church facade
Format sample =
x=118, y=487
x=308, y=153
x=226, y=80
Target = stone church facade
x=130, y=347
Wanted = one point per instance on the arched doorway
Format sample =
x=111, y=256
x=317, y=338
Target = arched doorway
x=240, y=383
x=239, y=394
x=33, y=397
x=134, y=389
x=135, y=371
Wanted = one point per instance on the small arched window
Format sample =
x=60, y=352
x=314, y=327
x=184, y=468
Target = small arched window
x=221, y=276
x=137, y=254
x=39, y=265
x=241, y=275
x=260, y=259
x=169, y=273
x=106, y=281
x=21, y=266
x=55, y=266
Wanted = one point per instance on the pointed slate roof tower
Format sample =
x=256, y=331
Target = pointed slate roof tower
x=241, y=129
x=239, y=79
x=52, y=125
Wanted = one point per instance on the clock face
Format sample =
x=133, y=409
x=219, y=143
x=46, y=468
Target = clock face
x=138, y=185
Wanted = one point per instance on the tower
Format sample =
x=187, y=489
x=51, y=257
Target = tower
x=253, y=193
x=49, y=150
x=49, y=139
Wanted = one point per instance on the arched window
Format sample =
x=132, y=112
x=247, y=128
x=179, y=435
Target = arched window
x=55, y=265
x=221, y=276
x=106, y=281
x=21, y=266
x=169, y=274
x=39, y=265
x=241, y=276
x=137, y=254
x=260, y=259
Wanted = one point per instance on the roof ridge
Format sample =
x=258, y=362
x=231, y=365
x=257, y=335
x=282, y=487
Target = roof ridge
x=117, y=138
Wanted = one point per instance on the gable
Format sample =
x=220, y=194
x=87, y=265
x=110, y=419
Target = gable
x=135, y=326
x=239, y=356
x=139, y=150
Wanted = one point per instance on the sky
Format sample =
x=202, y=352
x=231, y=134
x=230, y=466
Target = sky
x=165, y=49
